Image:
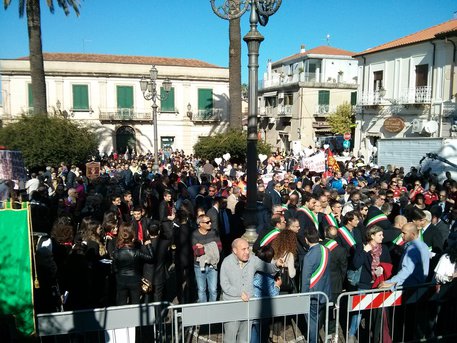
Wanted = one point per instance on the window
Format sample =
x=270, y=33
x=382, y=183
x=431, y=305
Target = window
x=30, y=93
x=167, y=105
x=80, y=97
x=353, y=98
x=270, y=101
x=378, y=78
x=421, y=75
x=288, y=99
x=205, y=99
x=324, y=97
x=124, y=97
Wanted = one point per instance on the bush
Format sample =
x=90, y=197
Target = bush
x=49, y=140
x=234, y=142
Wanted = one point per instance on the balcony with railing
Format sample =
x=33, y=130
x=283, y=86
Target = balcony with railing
x=124, y=114
x=324, y=110
x=209, y=115
x=285, y=111
x=282, y=80
x=411, y=95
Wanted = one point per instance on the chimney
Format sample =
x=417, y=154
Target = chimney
x=302, y=49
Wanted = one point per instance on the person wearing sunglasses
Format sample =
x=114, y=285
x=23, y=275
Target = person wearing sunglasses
x=207, y=248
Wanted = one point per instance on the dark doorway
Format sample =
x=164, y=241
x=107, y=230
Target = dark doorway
x=125, y=139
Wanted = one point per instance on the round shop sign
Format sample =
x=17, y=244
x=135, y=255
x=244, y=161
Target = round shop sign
x=394, y=124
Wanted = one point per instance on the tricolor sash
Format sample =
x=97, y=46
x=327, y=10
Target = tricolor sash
x=331, y=244
x=377, y=219
x=319, y=272
x=269, y=237
x=311, y=216
x=331, y=220
x=399, y=241
x=421, y=237
x=347, y=236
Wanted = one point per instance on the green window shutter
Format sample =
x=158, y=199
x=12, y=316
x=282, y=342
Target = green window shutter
x=167, y=105
x=354, y=98
x=124, y=97
x=80, y=97
x=30, y=95
x=324, y=97
x=205, y=99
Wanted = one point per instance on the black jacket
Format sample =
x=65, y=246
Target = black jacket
x=127, y=261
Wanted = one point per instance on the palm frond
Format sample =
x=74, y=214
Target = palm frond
x=21, y=8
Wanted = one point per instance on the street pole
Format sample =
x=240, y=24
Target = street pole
x=149, y=90
x=260, y=11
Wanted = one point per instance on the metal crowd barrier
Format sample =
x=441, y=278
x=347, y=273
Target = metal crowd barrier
x=279, y=317
x=129, y=323
x=391, y=315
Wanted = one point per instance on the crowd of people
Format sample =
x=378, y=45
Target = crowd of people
x=114, y=239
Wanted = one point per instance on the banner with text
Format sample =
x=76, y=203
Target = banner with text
x=314, y=163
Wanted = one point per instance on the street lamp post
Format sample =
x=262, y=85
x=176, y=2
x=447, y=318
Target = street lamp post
x=149, y=90
x=260, y=11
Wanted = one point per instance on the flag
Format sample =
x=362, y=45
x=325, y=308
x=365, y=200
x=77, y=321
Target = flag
x=331, y=162
x=16, y=290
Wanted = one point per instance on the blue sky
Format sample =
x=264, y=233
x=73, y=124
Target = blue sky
x=189, y=28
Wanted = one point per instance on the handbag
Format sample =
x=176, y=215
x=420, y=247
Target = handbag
x=354, y=276
x=287, y=284
x=146, y=286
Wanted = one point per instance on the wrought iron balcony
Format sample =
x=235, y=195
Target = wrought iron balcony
x=285, y=111
x=209, y=115
x=411, y=95
x=124, y=114
x=324, y=110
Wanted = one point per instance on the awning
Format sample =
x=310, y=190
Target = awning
x=270, y=94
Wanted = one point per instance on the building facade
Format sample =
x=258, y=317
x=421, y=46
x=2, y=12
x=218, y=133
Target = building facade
x=407, y=88
x=299, y=92
x=103, y=91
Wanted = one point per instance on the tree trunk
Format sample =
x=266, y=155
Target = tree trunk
x=36, y=57
x=235, y=73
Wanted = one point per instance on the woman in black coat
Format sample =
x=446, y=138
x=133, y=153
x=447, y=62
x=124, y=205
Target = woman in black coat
x=127, y=264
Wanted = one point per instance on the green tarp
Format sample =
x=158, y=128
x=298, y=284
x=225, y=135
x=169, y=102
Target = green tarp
x=16, y=292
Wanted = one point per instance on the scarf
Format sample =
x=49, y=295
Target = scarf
x=375, y=255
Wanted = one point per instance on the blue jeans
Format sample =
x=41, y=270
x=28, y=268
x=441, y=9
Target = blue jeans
x=206, y=279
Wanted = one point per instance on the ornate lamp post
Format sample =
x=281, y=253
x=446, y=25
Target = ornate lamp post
x=149, y=89
x=260, y=11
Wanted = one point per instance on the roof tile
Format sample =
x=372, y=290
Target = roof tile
x=100, y=58
x=320, y=50
x=421, y=36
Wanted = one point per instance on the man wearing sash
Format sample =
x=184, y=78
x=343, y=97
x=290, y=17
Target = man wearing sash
x=331, y=219
x=316, y=278
x=348, y=233
x=267, y=235
x=375, y=215
x=338, y=266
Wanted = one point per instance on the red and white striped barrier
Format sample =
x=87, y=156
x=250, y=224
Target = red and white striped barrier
x=376, y=300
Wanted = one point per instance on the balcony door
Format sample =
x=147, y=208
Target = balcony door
x=421, y=75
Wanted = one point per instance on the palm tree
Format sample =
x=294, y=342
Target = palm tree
x=32, y=8
x=235, y=73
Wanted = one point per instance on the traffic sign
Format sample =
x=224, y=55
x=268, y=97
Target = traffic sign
x=347, y=136
x=346, y=144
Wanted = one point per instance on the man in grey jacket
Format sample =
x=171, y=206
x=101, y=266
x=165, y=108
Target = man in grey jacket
x=237, y=280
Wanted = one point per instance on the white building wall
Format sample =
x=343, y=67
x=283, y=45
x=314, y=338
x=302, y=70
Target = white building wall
x=102, y=80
